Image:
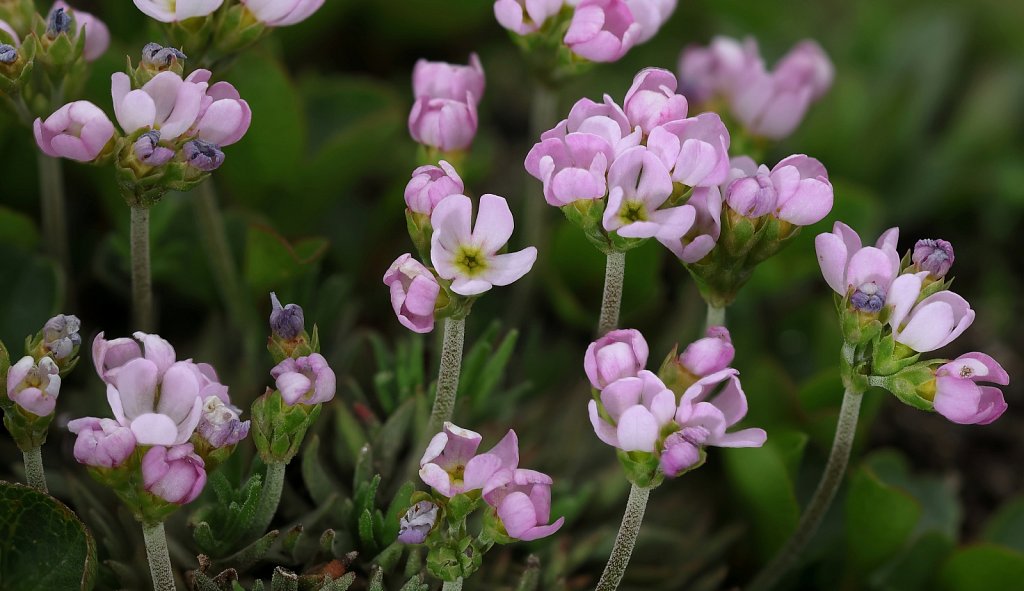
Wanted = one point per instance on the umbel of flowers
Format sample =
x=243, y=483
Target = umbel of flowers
x=515, y=502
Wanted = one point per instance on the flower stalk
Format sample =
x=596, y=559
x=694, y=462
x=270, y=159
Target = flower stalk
x=611, y=301
x=34, y=474
x=448, y=374
x=159, y=557
x=715, y=317
x=632, y=519
x=455, y=585
x=142, y=281
x=54, y=212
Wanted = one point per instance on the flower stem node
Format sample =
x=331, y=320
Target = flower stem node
x=278, y=428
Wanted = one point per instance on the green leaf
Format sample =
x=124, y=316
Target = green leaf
x=271, y=260
x=914, y=569
x=879, y=518
x=1006, y=527
x=317, y=480
x=283, y=580
x=984, y=567
x=17, y=230
x=43, y=544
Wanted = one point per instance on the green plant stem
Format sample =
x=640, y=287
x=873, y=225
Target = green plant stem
x=835, y=469
x=142, y=282
x=632, y=519
x=455, y=585
x=54, y=210
x=448, y=374
x=611, y=300
x=270, y=498
x=34, y=468
x=715, y=317
x=159, y=557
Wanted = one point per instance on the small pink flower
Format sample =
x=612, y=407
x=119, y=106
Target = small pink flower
x=414, y=292
x=445, y=124
x=451, y=465
x=640, y=408
x=606, y=120
x=702, y=236
x=102, y=443
x=619, y=354
x=522, y=499
x=175, y=474
x=652, y=100
x=430, y=185
x=281, y=13
x=797, y=190
x=78, y=131
x=930, y=324
x=97, y=35
x=169, y=11
x=572, y=168
x=223, y=116
x=109, y=356
x=640, y=185
x=650, y=15
x=441, y=80
x=960, y=398
x=34, y=386
x=867, y=271
x=602, y=30
x=710, y=354
x=467, y=254
x=717, y=69
x=306, y=380
x=525, y=16
x=696, y=149
x=165, y=103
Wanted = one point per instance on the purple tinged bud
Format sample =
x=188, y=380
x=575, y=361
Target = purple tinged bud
x=60, y=336
x=709, y=355
x=103, y=443
x=158, y=56
x=417, y=523
x=220, y=425
x=148, y=150
x=680, y=454
x=869, y=297
x=8, y=54
x=934, y=256
x=175, y=474
x=203, y=155
x=286, y=322
x=59, y=22
x=753, y=196
x=34, y=386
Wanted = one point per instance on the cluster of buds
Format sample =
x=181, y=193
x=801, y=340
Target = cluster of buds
x=561, y=36
x=444, y=115
x=173, y=421
x=517, y=501
x=467, y=259
x=303, y=382
x=768, y=104
x=661, y=423
x=44, y=57
x=892, y=310
x=173, y=127
x=32, y=383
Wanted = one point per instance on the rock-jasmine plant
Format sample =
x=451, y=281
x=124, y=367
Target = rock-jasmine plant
x=466, y=260
x=281, y=417
x=516, y=503
x=660, y=424
x=891, y=310
x=173, y=132
x=31, y=387
x=173, y=422
x=628, y=174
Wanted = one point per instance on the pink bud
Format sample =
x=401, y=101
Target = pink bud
x=525, y=16
x=602, y=30
x=445, y=124
x=34, y=386
x=175, y=474
x=78, y=131
x=306, y=380
x=441, y=80
x=522, y=499
x=711, y=354
x=652, y=100
x=618, y=354
x=414, y=292
x=431, y=184
x=102, y=443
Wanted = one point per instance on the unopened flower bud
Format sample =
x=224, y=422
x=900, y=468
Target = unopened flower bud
x=103, y=443
x=175, y=474
x=286, y=322
x=417, y=523
x=60, y=336
x=220, y=425
x=34, y=386
x=148, y=149
x=160, y=57
x=8, y=54
x=203, y=155
x=869, y=297
x=753, y=196
x=934, y=256
x=59, y=22
x=680, y=454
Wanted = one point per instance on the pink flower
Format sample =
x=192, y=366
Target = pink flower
x=34, y=386
x=797, y=190
x=652, y=100
x=702, y=236
x=605, y=120
x=109, y=356
x=639, y=407
x=709, y=355
x=640, y=185
x=306, y=380
x=281, y=13
x=79, y=131
x=930, y=324
x=572, y=168
x=165, y=103
x=414, y=292
x=696, y=149
x=444, y=124
x=175, y=474
x=441, y=80
x=602, y=30
x=97, y=35
x=717, y=69
x=223, y=116
x=522, y=499
x=619, y=354
x=959, y=398
x=867, y=271
x=466, y=254
x=650, y=15
x=525, y=16
x=430, y=185
x=102, y=443
x=451, y=465
x=169, y=11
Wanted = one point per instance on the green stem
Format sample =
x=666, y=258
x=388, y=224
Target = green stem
x=611, y=300
x=455, y=585
x=270, y=498
x=34, y=469
x=835, y=469
x=159, y=557
x=448, y=374
x=636, y=505
x=716, y=317
x=142, y=282
x=54, y=211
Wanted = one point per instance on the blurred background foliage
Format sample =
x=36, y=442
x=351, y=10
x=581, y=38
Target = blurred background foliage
x=922, y=129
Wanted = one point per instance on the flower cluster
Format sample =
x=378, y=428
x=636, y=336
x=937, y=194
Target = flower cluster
x=662, y=422
x=467, y=258
x=892, y=309
x=172, y=420
x=769, y=104
x=444, y=116
x=518, y=499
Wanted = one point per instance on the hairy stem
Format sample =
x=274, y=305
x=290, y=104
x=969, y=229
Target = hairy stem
x=455, y=585
x=448, y=374
x=715, y=317
x=636, y=505
x=835, y=469
x=159, y=558
x=34, y=469
x=142, y=281
x=611, y=301
x=54, y=211
x=270, y=497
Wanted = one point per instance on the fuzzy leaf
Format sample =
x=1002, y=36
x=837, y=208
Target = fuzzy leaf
x=284, y=580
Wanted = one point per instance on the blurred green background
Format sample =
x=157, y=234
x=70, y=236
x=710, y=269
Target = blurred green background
x=923, y=129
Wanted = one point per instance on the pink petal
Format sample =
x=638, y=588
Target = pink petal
x=637, y=430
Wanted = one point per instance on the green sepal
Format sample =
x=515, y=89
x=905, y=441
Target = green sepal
x=548, y=57
x=458, y=508
x=912, y=383
x=278, y=429
x=493, y=530
x=889, y=357
x=303, y=345
x=126, y=482
x=420, y=231
x=587, y=214
x=641, y=468
x=28, y=430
